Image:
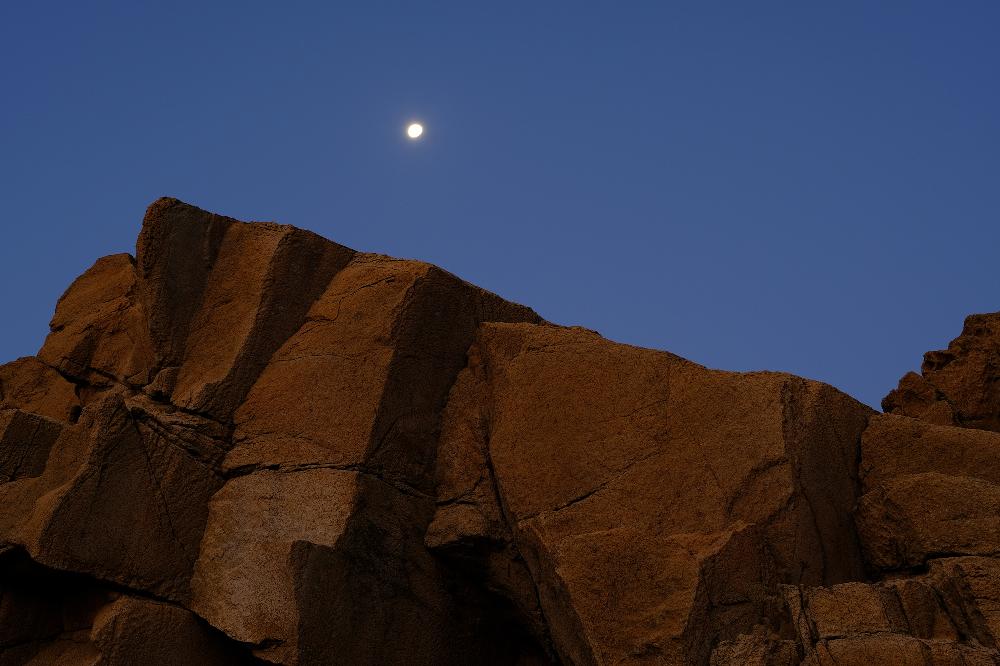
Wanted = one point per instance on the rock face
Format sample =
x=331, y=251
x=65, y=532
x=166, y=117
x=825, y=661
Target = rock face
x=653, y=506
x=959, y=385
x=928, y=520
x=248, y=444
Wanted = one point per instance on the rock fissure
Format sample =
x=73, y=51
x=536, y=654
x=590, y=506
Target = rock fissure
x=238, y=472
x=618, y=475
x=512, y=528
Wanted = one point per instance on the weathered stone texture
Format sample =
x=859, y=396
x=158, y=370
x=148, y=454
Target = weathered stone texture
x=249, y=444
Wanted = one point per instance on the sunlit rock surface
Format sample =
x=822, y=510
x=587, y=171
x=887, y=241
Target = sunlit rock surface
x=248, y=444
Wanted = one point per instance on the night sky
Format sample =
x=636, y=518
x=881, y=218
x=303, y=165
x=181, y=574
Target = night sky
x=806, y=187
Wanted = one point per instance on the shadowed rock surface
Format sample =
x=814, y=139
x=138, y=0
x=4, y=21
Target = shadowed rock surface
x=959, y=385
x=248, y=444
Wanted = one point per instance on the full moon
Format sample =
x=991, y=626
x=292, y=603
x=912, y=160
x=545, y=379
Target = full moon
x=414, y=130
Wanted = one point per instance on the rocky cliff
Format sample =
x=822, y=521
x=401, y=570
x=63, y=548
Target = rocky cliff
x=248, y=444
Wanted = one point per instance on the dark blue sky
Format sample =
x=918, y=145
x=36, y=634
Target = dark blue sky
x=809, y=187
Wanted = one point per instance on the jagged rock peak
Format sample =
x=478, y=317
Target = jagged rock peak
x=959, y=385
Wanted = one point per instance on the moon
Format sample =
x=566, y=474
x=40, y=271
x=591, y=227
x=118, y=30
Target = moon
x=414, y=130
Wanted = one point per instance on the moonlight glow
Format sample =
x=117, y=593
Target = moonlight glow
x=414, y=130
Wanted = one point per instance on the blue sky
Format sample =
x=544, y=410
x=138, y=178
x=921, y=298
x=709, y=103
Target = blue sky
x=807, y=187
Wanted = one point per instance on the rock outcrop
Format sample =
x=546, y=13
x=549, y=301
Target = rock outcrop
x=248, y=444
x=928, y=520
x=653, y=506
x=959, y=385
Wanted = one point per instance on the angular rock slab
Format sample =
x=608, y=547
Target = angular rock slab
x=146, y=361
x=98, y=332
x=244, y=583
x=937, y=618
x=929, y=491
x=109, y=499
x=378, y=351
x=655, y=504
x=32, y=386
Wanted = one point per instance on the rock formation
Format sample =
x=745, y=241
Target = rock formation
x=959, y=385
x=248, y=444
